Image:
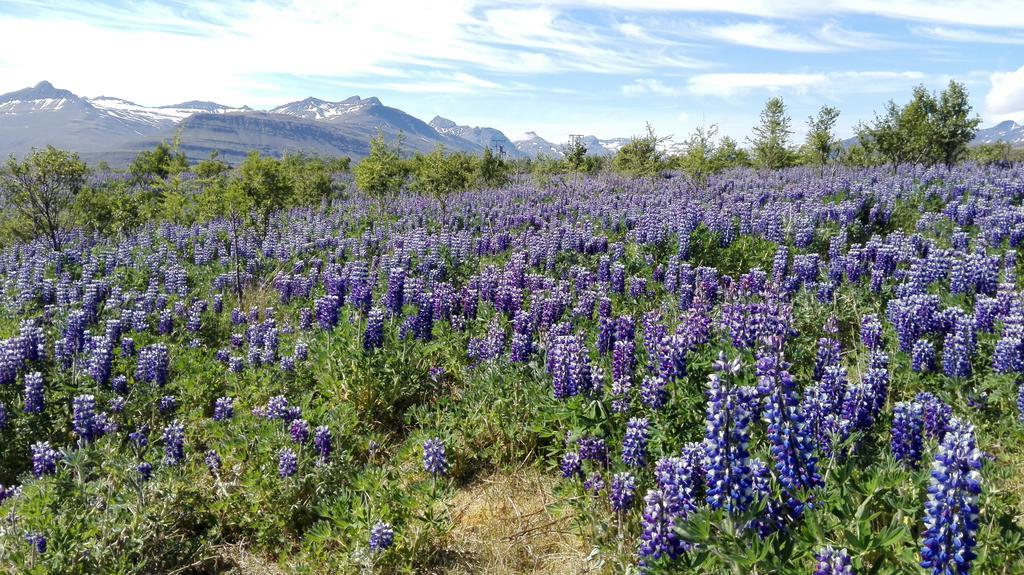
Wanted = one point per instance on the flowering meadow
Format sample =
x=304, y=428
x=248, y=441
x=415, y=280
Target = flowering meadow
x=780, y=372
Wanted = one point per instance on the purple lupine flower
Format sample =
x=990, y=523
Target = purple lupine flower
x=571, y=465
x=679, y=477
x=37, y=541
x=373, y=336
x=654, y=392
x=594, y=449
x=634, y=443
x=958, y=349
x=326, y=311
x=951, y=512
x=212, y=461
x=119, y=384
x=792, y=446
x=435, y=460
x=299, y=431
x=167, y=404
x=117, y=404
x=622, y=491
x=34, y=393
x=139, y=438
x=223, y=408
x=127, y=347
x=287, y=463
x=44, y=459
x=394, y=297
x=382, y=536
x=907, y=433
x=276, y=409
x=1020, y=402
x=923, y=356
x=145, y=471
x=174, y=443
x=828, y=355
x=594, y=484
x=3, y=417
x=727, y=439
x=658, y=537
x=832, y=561
x=871, y=331
x=301, y=351
x=322, y=444
x=83, y=419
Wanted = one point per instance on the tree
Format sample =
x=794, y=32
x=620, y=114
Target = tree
x=698, y=158
x=954, y=128
x=997, y=153
x=161, y=162
x=41, y=190
x=575, y=156
x=311, y=179
x=821, y=140
x=382, y=173
x=491, y=170
x=771, y=136
x=899, y=135
x=262, y=187
x=441, y=175
x=640, y=157
x=729, y=154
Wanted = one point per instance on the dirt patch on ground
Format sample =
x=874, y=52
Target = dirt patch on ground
x=506, y=524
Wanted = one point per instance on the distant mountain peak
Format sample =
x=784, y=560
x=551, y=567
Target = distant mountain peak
x=41, y=91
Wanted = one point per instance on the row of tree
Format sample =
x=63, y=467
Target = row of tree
x=930, y=129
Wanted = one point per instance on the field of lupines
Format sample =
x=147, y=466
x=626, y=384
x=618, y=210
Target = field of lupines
x=783, y=373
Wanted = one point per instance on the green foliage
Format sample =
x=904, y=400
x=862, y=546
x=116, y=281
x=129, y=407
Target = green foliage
x=770, y=142
x=160, y=163
x=311, y=179
x=381, y=174
x=728, y=154
x=699, y=158
x=40, y=192
x=998, y=153
x=115, y=209
x=927, y=130
x=821, y=138
x=640, y=157
x=491, y=170
x=440, y=175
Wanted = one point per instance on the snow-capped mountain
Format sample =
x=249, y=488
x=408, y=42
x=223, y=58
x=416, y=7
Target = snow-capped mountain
x=160, y=116
x=317, y=109
x=1008, y=131
x=532, y=145
x=484, y=137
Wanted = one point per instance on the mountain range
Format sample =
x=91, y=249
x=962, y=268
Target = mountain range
x=115, y=130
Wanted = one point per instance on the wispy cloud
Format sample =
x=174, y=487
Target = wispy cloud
x=967, y=35
x=727, y=85
x=643, y=86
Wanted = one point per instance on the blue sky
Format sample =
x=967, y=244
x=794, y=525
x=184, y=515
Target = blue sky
x=603, y=67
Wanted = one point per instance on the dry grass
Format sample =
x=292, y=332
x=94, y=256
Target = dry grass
x=504, y=524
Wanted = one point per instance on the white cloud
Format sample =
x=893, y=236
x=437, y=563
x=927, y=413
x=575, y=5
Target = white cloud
x=731, y=84
x=727, y=85
x=987, y=13
x=649, y=86
x=250, y=53
x=967, y=35
x=1005, y=99
x=766, y=36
